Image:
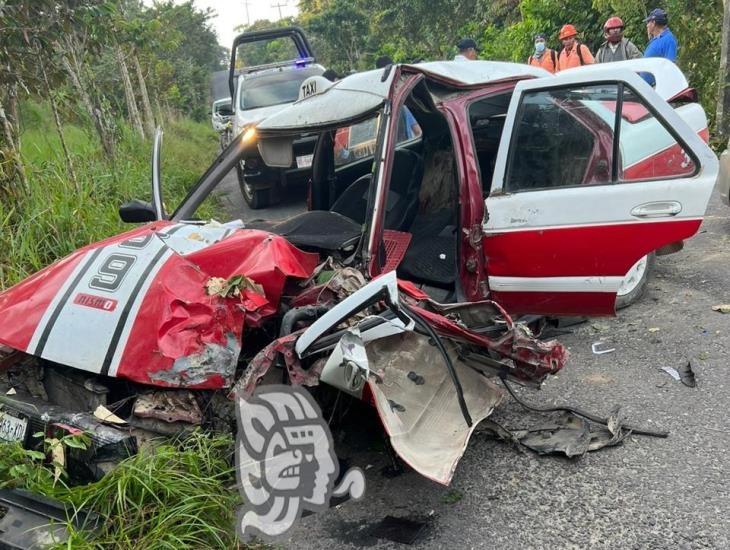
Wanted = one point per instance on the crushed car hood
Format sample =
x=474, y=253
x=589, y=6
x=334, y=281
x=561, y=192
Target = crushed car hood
x=135, y=306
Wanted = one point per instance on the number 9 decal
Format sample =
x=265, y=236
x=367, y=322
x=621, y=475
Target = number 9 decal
x=112, y=272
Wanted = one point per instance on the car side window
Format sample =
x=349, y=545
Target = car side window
x=561, y=138
x=568, y=137
x=648, y=150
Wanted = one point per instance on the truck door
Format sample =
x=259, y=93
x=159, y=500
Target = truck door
x=594, y=171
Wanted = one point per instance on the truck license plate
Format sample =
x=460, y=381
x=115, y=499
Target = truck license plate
x=305, y=161
x=12, y=428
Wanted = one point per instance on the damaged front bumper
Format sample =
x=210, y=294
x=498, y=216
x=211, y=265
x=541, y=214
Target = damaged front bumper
x=423, y=365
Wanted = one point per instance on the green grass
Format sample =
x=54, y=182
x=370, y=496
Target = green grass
x=182, y=495
x=55, y=218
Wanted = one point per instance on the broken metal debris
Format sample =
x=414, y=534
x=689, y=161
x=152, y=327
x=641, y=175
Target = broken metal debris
x=598, y=349
x=169, y=406
x=573, y=436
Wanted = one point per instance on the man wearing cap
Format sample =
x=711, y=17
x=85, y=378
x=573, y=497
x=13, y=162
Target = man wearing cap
x=661, y=40
x=543, y=57
x=616, y=47
x=573, y=54
x=467, y=50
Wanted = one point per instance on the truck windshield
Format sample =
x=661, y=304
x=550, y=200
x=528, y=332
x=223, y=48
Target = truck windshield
x=276, y=89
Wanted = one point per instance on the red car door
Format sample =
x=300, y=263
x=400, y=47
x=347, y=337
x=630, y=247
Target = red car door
x=594, y=171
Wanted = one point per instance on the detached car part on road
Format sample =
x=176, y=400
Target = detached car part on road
x=520, y=192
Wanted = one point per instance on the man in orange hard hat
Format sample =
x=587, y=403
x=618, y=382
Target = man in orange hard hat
x=616, y=47
x=573, y=54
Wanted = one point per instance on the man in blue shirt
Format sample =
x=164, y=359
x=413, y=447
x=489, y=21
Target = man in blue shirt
x=661, y=40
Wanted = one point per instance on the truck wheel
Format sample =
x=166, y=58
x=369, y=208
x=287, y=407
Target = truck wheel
x=634, y=283
x=255, y=198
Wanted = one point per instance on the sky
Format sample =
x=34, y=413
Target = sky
x=231, y=13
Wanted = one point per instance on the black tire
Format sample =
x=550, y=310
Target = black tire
x=255, y=198
x=635, y=288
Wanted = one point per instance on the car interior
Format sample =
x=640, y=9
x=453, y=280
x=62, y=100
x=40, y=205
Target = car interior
x=421, y=220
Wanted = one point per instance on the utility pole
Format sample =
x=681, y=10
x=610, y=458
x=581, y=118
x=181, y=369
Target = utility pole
x=248, y=18
x=279, y=5
x=723, y=100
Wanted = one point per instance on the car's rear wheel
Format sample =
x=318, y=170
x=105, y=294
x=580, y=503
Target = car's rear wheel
x=634, y=284
x=255, y=198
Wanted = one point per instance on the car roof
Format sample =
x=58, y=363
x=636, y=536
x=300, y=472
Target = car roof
x=359, y=94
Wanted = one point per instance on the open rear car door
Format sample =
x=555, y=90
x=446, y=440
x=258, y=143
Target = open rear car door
x=594, y=171
x=288, y=39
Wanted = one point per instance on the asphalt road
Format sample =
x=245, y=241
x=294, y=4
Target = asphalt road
x=647, y=493
x=229, y=194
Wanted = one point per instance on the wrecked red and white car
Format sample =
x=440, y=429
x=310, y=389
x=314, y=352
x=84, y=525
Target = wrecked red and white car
x=486, y=191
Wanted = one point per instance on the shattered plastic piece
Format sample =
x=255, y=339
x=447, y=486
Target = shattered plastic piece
x=105, y=415
x=11, y=391
x=687, y=375
x=597, y=350
x=721, y=308
x=169, y=406
x=671, y=371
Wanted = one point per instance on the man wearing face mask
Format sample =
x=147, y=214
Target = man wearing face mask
x=543, y=56
x=573, y=54
x=616, y=47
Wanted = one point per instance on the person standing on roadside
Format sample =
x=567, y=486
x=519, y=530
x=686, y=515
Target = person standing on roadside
x=573, y=54
x=467, y=50
x=543, y=57
x=662, y=42
x=616, y=47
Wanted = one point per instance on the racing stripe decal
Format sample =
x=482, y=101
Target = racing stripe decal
x=49, y=323
x=80, y=336
x=122, y=323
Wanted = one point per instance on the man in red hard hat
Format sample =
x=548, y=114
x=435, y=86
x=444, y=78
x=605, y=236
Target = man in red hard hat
x=616, y=47
x=573, y=54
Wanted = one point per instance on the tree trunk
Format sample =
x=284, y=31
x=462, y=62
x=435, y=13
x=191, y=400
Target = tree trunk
x=147, y=108
x=57, y=120
x=723, y=100
x=129, y=93
x=75, y=75
x=13, y=181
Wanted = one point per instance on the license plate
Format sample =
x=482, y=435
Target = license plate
x=12, y=428
x=305, y=161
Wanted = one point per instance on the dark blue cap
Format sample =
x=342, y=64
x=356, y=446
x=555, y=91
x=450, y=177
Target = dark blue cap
x=466, y=43
x=657, y=15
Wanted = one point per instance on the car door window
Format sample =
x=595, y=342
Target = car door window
x=561, y=138
x=568, y=137
x=648, y=149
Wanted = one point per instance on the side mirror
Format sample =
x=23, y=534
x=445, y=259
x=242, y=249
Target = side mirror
x=137, y=211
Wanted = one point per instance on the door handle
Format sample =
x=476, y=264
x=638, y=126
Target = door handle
x=658, y=209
